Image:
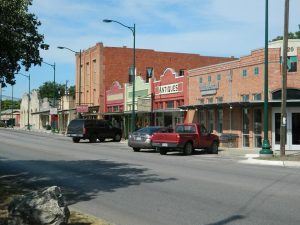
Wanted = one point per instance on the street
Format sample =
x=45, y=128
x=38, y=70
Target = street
x=110, y=181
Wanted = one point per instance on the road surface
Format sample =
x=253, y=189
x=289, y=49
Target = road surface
x=110, y=181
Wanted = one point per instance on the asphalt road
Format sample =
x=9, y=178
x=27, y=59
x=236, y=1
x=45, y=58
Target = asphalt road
x=110, y=181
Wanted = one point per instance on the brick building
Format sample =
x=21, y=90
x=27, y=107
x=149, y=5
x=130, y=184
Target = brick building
x=228, y=98
x=102, y=66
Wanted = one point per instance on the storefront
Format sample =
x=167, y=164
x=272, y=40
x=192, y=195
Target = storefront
x=114, y=105
x=142, y=104
x=169, y=93
x=228, y=98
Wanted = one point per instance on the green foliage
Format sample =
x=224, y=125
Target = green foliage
x=7, y=104
x=19, y=39
x=47, y=90
x=291, y=35
x=72, y=91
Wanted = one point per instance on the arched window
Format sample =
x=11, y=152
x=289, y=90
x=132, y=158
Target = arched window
x=291, y=94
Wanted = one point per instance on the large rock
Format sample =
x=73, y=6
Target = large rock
x=45, y=207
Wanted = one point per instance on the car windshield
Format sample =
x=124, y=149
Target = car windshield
x=149, y=130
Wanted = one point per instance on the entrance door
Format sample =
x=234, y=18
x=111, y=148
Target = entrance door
x=293, y=129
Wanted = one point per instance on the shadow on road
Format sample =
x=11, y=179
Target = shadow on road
x=79, y=180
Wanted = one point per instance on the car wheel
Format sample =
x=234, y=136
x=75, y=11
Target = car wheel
x=93, y=139
x=136, y=149
x=162, y=151
x=214, y=148
x=188, y=148
x=117, y=138
x=75, y=140
x=101, y=139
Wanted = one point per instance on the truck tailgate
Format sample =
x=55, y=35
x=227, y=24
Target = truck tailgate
x=165, y=138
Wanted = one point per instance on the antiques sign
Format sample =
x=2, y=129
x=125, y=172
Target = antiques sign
x=168, y=89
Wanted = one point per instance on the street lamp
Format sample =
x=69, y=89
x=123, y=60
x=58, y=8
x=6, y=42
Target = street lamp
x=79, y=88
x=28, y=76
x=266, y=148
x=133, y=69
x=54, y=92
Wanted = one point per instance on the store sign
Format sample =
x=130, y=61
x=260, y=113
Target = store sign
x=53, y=111
x=168, y=89
x=209, y=89
x=82, y=108
x=144, y=104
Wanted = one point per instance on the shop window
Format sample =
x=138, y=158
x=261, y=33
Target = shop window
x=219, y=99
x=210, y=100
x=244, y=73
x=211, y=120
x=257, y=120
x=149, y=73
x=220, y=121
x=257, y=97
x=245, y=98
x=201, y=101
x=201, y=117
x=292, y=63
x=181, y=72
x=256, y=70
x=115, y=108
x=245, y=129
x=170, y=104
x=219, y=77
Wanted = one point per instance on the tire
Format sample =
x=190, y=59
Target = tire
x=136, y=149
x=117, y=138
x=101, y=139
x=162, y=151
x=214, y=148
x=93, y=139
x=75, y=139
x=188, y=148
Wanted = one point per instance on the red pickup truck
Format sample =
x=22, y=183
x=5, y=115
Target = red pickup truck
x=186, y=138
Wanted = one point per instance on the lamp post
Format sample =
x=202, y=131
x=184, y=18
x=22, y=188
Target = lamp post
x=12, y=105
x=266, y=148
x=53, y=123
x=133, y=70
x=54, y=92
x=79, y=88
x=28, y=113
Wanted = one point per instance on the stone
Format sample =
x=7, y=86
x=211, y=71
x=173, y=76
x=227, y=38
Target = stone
x=46, y=207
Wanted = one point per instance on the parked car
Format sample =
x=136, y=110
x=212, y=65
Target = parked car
x=142, y=138
x=186, y=138
x=92, y=130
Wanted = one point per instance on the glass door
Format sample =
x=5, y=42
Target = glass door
x=295, y=131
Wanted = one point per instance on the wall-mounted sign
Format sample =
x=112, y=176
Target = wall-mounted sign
x=144, y=104
x=82, y=108
x=209, y=89
x=53, y=111
x=168, y=89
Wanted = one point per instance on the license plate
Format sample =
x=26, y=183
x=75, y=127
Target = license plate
x=138, y=138
x=164, y=144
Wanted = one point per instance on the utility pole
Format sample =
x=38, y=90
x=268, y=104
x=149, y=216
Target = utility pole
x=284, y=79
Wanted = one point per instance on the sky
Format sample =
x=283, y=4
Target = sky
x=206, y=27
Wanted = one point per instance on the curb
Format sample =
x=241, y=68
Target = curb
x=251, y=160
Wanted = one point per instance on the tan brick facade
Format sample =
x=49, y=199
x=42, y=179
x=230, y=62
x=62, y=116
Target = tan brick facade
x=235, y=89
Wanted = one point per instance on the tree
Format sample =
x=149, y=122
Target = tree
x=72, y=91
x=291, y=35
x=47, y=90
x=7, y=104
x=19, y=39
